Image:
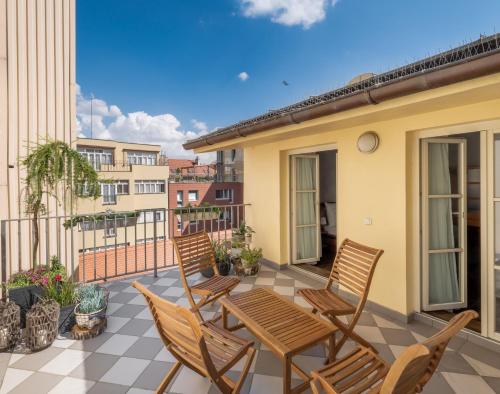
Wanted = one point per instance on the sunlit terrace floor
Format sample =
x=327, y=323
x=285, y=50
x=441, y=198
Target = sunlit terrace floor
x=130, y=358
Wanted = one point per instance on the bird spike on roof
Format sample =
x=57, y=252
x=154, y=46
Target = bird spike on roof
x=469, y=51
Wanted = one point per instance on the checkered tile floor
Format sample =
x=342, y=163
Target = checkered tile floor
x=129, y=357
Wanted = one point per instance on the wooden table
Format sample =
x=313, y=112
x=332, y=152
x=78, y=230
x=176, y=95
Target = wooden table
x=284, y=327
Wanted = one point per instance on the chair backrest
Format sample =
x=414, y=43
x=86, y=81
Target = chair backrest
x=180, y=331
x=354, y=266
x=194, y=253
x=416, y=365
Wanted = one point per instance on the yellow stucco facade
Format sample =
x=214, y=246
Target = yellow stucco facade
x=383, y=185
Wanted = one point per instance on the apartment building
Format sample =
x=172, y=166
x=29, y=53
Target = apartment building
x=133, y=181
x=37, y=102
x=229, y=165
x=207, y=198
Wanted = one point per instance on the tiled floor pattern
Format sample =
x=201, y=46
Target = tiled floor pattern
x=129, y=357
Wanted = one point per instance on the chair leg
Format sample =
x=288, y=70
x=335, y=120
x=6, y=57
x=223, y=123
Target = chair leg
x=244, y=372
x=166, y=380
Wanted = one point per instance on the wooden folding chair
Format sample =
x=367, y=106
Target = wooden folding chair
x=194, y=254
x=362, y=370
x=353, y=269
x=203, y=347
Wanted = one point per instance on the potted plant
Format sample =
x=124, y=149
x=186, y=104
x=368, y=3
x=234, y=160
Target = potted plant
x=250, y=260
x=242, y=236
x=62, y=290
x=222, y=259
x=91, y=307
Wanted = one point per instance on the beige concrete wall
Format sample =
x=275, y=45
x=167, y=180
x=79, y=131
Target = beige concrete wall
x=369, y=185
x=37, y=101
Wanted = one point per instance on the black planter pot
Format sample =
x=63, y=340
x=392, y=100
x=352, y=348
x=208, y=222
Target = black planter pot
x=207, y=272
x=224, y=269
x=66, y=319
x=25, y=297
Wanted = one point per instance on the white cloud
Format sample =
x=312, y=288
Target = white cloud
x=243, y=76
x=108, y=122
x=288, y=12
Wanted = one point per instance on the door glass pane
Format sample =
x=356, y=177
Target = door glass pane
x=497, y=300
x=497, y=233
x=497, y=165
x=305, y=173
x=306, y=212
x=444, y=222
x=306, y=242
x=443, y=169
x=444, y=286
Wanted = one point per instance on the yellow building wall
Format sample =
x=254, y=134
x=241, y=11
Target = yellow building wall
x=379, y=185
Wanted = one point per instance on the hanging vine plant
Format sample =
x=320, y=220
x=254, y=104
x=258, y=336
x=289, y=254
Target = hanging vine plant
x=55, y=169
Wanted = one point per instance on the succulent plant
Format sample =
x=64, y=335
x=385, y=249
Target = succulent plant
x=92, y=298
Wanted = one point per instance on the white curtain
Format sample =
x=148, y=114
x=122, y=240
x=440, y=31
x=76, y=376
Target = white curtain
x=305, y=184
x=443, y=273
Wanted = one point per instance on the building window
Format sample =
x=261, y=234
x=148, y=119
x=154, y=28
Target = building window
x=148, y=187
x=149, y=216
x=97, y=157
x=122, y=187
x=108, y=192
x=110, y=232
x=180, y=198
x=141, y=158
x=193, y=195
x=224, y=194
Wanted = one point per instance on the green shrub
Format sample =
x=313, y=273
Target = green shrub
x=250, y=257
x=91, y=298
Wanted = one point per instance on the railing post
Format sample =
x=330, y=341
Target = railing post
x=155, y=250
x=3, y=246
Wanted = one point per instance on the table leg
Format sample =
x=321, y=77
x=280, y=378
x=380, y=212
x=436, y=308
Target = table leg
x=287, y=375
x=224, y=317
x=331, y=349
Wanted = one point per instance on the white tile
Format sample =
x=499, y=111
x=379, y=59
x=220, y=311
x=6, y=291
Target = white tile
x=113, y=307
x=165, y=355
x=152, y=332
x=264, y=281
x=112, y=294
x=418, y=337
x=183, y=302
x=63, y=342
x=308, y=363
x=129, y=289
x=208, y=315
x=264, y=267
x=145, y=314
x=138, y=300
x=72, y=385
x=115, y=323
x=301, y=285
x=12, y=378
x=174, y=292
x=279, y=275
x=266, y=384
x=189, y=382
x=371, y=334
x=15, y=357
x=481, y=368
x=284, y=290
x=243, y=287
x=117, y=344
x=135, y=390
x=125, y=371
x=467, y=384
x=65, y=362
x=301, y=302
x=165, y=282
x=384, y=323
x=238, y=367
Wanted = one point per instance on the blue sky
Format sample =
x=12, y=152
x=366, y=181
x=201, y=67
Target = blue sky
x=166, y=70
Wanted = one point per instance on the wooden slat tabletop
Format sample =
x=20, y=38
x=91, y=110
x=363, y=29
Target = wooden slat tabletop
x=281, y=325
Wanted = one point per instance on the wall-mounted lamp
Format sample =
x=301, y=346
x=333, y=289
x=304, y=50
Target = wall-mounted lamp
x=368, y=142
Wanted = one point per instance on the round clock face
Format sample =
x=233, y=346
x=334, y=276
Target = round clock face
x=368, y=142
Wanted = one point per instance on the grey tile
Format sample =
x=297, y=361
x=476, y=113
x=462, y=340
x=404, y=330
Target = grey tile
x=158, y=290
x=268, y=364
x=153, y=375
x=482, y=354
x=284, y=282
x=35, y=361
x=108, y=388
x=147, y=280
x=94, y=366
x=267, y=274
x=91, y=345
x=129, y=310
x=366, y=319
x=398, y=337
x=136, y=327
x=123, y=298
x=37, y=383
x=494, y=383
x=454, y=362
x=235, y=376
x=438, y=385
x=125, y=371
x=117, y=286
x=117, y=344
x=422, y=329
x=385, y=352
x=146, y=348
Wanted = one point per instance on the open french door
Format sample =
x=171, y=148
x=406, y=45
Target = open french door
x=444, y=231
x=305, y=217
